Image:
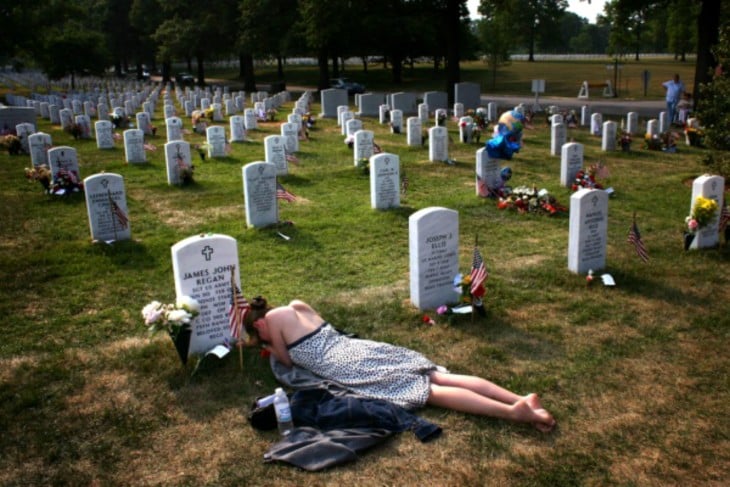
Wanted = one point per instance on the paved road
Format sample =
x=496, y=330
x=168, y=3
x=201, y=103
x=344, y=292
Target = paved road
x=606, y=106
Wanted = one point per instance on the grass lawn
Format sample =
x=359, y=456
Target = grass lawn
x=636, y=374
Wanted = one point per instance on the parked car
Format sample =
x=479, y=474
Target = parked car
x=185, y=79
x=347, y=84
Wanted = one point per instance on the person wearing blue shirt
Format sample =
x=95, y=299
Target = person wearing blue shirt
x=675, y=90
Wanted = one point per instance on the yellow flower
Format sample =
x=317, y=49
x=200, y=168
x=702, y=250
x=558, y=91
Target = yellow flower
x=704, y=210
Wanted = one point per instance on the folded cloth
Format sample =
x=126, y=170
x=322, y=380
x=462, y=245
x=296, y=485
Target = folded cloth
x=314, y=450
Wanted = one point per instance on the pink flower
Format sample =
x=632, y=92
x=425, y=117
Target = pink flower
x=427, y=320
x=442, y=309
x=692, y=224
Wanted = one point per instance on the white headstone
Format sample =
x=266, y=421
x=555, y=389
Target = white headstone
x=352, y=126
x=608, y=142
x=143, y=122
x=344, y=118
x=458, y=110
x=216, y=139
x=587, y=230
x=66, y=116
x=106, y=205
x=414, y=136
x=384, y=181
x=275, y=153
x=134, y=146
x=558, y=137
x=571, y=161
x=384, y=113
x=710, y=187
x=466, y=126
x=438, y=144
x=632, y=123
x=652, y=127
x=330, y=100
x=259, y=192
x=663, y=122
x=64, y=158
x=396, y=121
x=174, y=127
x=363, y=146
x=84, y=124
x=488, y=173
x=596, y=124
x=585, y=115
x=433, y=247
x=178, y=161
x=202, y=267
x=23, y=131
x=104, y=134
x=39, y=143
x=238, y=128
x=423, y=113
x=249, y=117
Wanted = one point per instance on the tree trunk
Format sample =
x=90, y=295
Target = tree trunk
x=364, y=64
x=335, y=66
x=453, y=73
x=241, y=61
x=531, y=57
x=201, y=70
x=397, y=67
x=249, y=76
x=280, y=67
x=166, y=68
x=708, y=27
x=324, y=77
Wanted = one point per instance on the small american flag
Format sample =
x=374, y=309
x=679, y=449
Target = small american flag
x=404, y=184
x=237, y=310
x=478, y=274
x=150, y=147
x=283, y=194
x=119, y=214
x=376, y=148
x=635, y=239
x=292, y=158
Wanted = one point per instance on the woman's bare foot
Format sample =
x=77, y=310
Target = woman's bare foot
x=541, y=418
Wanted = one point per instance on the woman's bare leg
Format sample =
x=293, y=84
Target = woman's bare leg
x=481, y=386
x=468, y=401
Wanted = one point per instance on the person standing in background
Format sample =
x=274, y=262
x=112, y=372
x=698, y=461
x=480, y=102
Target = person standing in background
x=675, y=90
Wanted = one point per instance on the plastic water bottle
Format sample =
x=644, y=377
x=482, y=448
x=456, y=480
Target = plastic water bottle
x=265, y=401
x=283, y=412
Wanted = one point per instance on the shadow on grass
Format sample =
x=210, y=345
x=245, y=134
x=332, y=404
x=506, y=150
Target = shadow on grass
x=128, y=254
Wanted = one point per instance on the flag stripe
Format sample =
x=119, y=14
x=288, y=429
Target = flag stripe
x=238, y=309
x=478, y=274
x=283, y=194
x=635, y=239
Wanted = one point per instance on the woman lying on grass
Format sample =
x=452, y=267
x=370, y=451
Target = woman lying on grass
x=297, y=335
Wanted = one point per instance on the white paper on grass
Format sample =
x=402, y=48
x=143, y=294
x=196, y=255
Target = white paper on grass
x=608, y=280
x=219, y=351
x=462, y=310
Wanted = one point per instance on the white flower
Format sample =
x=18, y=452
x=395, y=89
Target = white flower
x=152, y=312
x=179, y=316
x=189, y=304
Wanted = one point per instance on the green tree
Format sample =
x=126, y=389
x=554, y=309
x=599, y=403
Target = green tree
x=680, y=27
x=495, y=37
x=713, y=109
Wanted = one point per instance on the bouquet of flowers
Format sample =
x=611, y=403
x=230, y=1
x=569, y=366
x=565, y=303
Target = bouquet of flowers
x=694, y=136
x=588, y=178
x=703, y=212
x=41, y=174
x=624, y=141
x=652, y=142
x=530, y=200
x=66, y=182
x=172, y=317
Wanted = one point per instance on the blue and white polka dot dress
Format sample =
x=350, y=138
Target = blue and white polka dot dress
x=373, y=369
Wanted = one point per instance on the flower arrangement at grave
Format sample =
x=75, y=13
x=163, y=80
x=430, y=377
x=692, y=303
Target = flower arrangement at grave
x=531, y=200
x=653, y=141
x=476, y=133
x=441, y=119
x=624, y=141
x=588, y=178
x=175, y=319
x=669, y=141
x=694, y=136
x=468, y=129
x=12, y=144
x=271, y=115
x=479, y=118
x=41, y=174
x=702, y=214
x=118, y=120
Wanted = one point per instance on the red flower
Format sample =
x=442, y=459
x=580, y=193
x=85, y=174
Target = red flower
x=265, y=353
